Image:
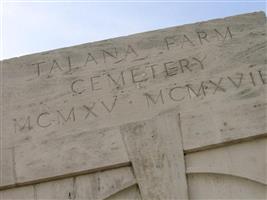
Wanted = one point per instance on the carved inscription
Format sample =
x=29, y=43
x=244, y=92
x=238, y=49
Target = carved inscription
x=114, y=55
x=200, y=38
x=67, y=65
x=139, y=75
x=207, y=87
x=175, y=94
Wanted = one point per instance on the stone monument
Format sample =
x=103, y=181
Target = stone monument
x=176, y=113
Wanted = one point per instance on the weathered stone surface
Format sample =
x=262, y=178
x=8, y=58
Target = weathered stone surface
x=47, y=95
x=218, y=122
x=63, y=109
x=244, y=160
x=61, y=189
x=155, y=149
x=86, y=151
x=21, y=193
x=7, y=170
x=214, y=186
x=131, y=193
x=102, y=185
x=118, y=182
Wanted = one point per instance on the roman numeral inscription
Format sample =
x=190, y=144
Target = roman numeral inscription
x=150, y=113
x=119, y=80
x=242, y=83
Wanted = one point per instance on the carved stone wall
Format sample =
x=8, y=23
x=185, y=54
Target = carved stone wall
x=176, y=113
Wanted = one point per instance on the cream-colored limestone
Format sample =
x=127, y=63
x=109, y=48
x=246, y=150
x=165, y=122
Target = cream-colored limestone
x=82, y=152
x=155, y=149
x=62, y=189
x=131, y=193
x=214, y=186
x=65, y=113
x=20, y=193
x=244, y=160
x=8, y=176
x=95, y=186
x=102, y=185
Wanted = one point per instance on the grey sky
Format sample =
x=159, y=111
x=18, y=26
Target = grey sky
x=34, y=27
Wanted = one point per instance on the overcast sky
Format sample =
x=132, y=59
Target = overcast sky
x=34, y=27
